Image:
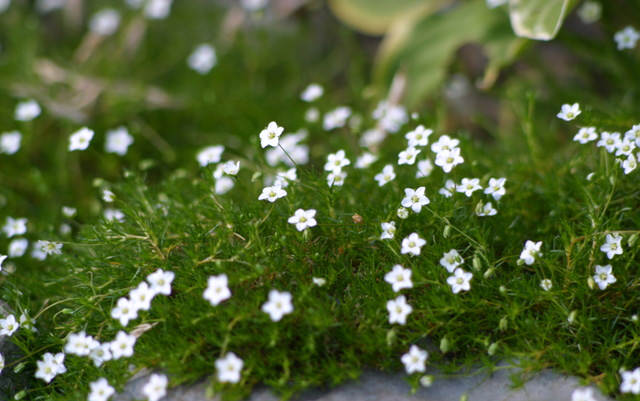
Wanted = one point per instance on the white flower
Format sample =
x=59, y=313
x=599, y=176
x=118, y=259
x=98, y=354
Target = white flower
x=100, y=354
x=80, y=344
x=496, y=3
x=569, y=111
x=17, y=248
x=10, y=142
x=217, y=289
x=231, y=167
x=408, y=156
x=50, y=366
x=295, y=151
x=399, y=278
x=530, y=252
x=625, y=147
x=122, y=345
x=630, y=381
x=124, y=311
x=113, y=215
x=414, y=360
x=388, y=230
x=412, y=244
x=336, y=118
x=626, y=38
x=27, y=110
x=448, y=159
x=335, y=161
x=157, y=9
x=496, y=188
x=278, y=305
x=633, y=134
x=118, y=141
x=415, y=199
x=108, y=196
x=386, y=175
x=141, y=296
x=450, y=260
x=612, y=245
x=444, y=143
x=160, y=281
x=254, y=5
x=8, y=326
x=15, y=226
x=272, y=193
x=229, y=368
x=425, y=167
x=603, y=276
x=365, y=160
x=156, y=387
x=100, y=390
x=336, y=178
x=203, y=58
x=448, y=189
x=303, y=219
x=270, y=135
x=319, y=281
x=582, y=394
x=590, y=11
x=312, y=115
x=80, y=139
x=104, y=22
x=49, y=247
x=398, y=309
x=629, y=164
x=609, y=141
x=391, y=117
x=418, y=137
x=372, y=137
x=468, y=186
x=210, y=155
x=546, y=284
x=585, y=135
x=402, y=213
x=223, y=185
x=312, y=93
x=283, y=177
x=460, y=280
x=485, y=209
x=68, y=211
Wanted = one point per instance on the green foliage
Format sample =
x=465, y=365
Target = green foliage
x=538, y=19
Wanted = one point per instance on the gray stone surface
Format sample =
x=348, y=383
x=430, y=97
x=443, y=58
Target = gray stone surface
x=375, y=386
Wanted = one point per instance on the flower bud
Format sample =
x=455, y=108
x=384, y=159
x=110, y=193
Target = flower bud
x=444, y=345
x=492, y=348
x=464, y=397
x=426, y=381
x=503, y=289
x=504, y=324
x=391, y=337
x=476, y=263
x=403, y=213
x=591, y=283
x=572, y=316
x=489, y=272
x=20, y=395
x=447, y=231
x=633, y=239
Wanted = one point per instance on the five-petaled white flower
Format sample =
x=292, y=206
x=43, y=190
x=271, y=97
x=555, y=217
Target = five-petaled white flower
x=156, y=387
x=8, y=325
x=122, y=345
x=278, y=305
x=496, y=188
x=388, y=230
x=450, y=260
x=412, y=244
x=303, y=219
x=444, y=143
x=141, y=296
x=398, y=309
x=425, y=167
x=160, y=281
x=415, y=199
x=585, y=135
x=80, y=139
x=546, y=284
x=414, y=360
x=272, y=193
x=609, y=140
x=629, y=164
x=530, y=252
x=100, y=354
x=335, y=161
x=229, y=368
x=49, y=247
x=634, y=134
x=419, y=136
x=231, y=167
x=408, y=156
x=468, y=186
x=270, y=135
x=15, y=227
x=80, y=344
x=612, y=245
x=448, y=189
x=50, y=366
x=448, y=159
x=485, y=209
x=604, y=276
x=210, y=155
x=630, y=381
x=386, y=175
x=100, y=390
x=118, y=141
x=582, y=394
x=626, y=38
x=336, y=178
x=124, y=311
x=399, y=278
x=569, y=111
x=460, y=281
x=217, y=289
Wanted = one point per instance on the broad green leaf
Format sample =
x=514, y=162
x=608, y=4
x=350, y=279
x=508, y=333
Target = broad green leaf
x=538, y=19
x=376, y=16
x=424, y=49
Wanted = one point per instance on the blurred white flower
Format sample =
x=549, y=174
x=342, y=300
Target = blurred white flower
x=10, y=142
x=27, y=110
x=80, y=139
x=229, y=368
x=203, y=58
x=157, y=9
x=312, y=93
x=627, y=38
x=156, y=387
x=210, y=155
x=118, y=141
x=105, y=22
